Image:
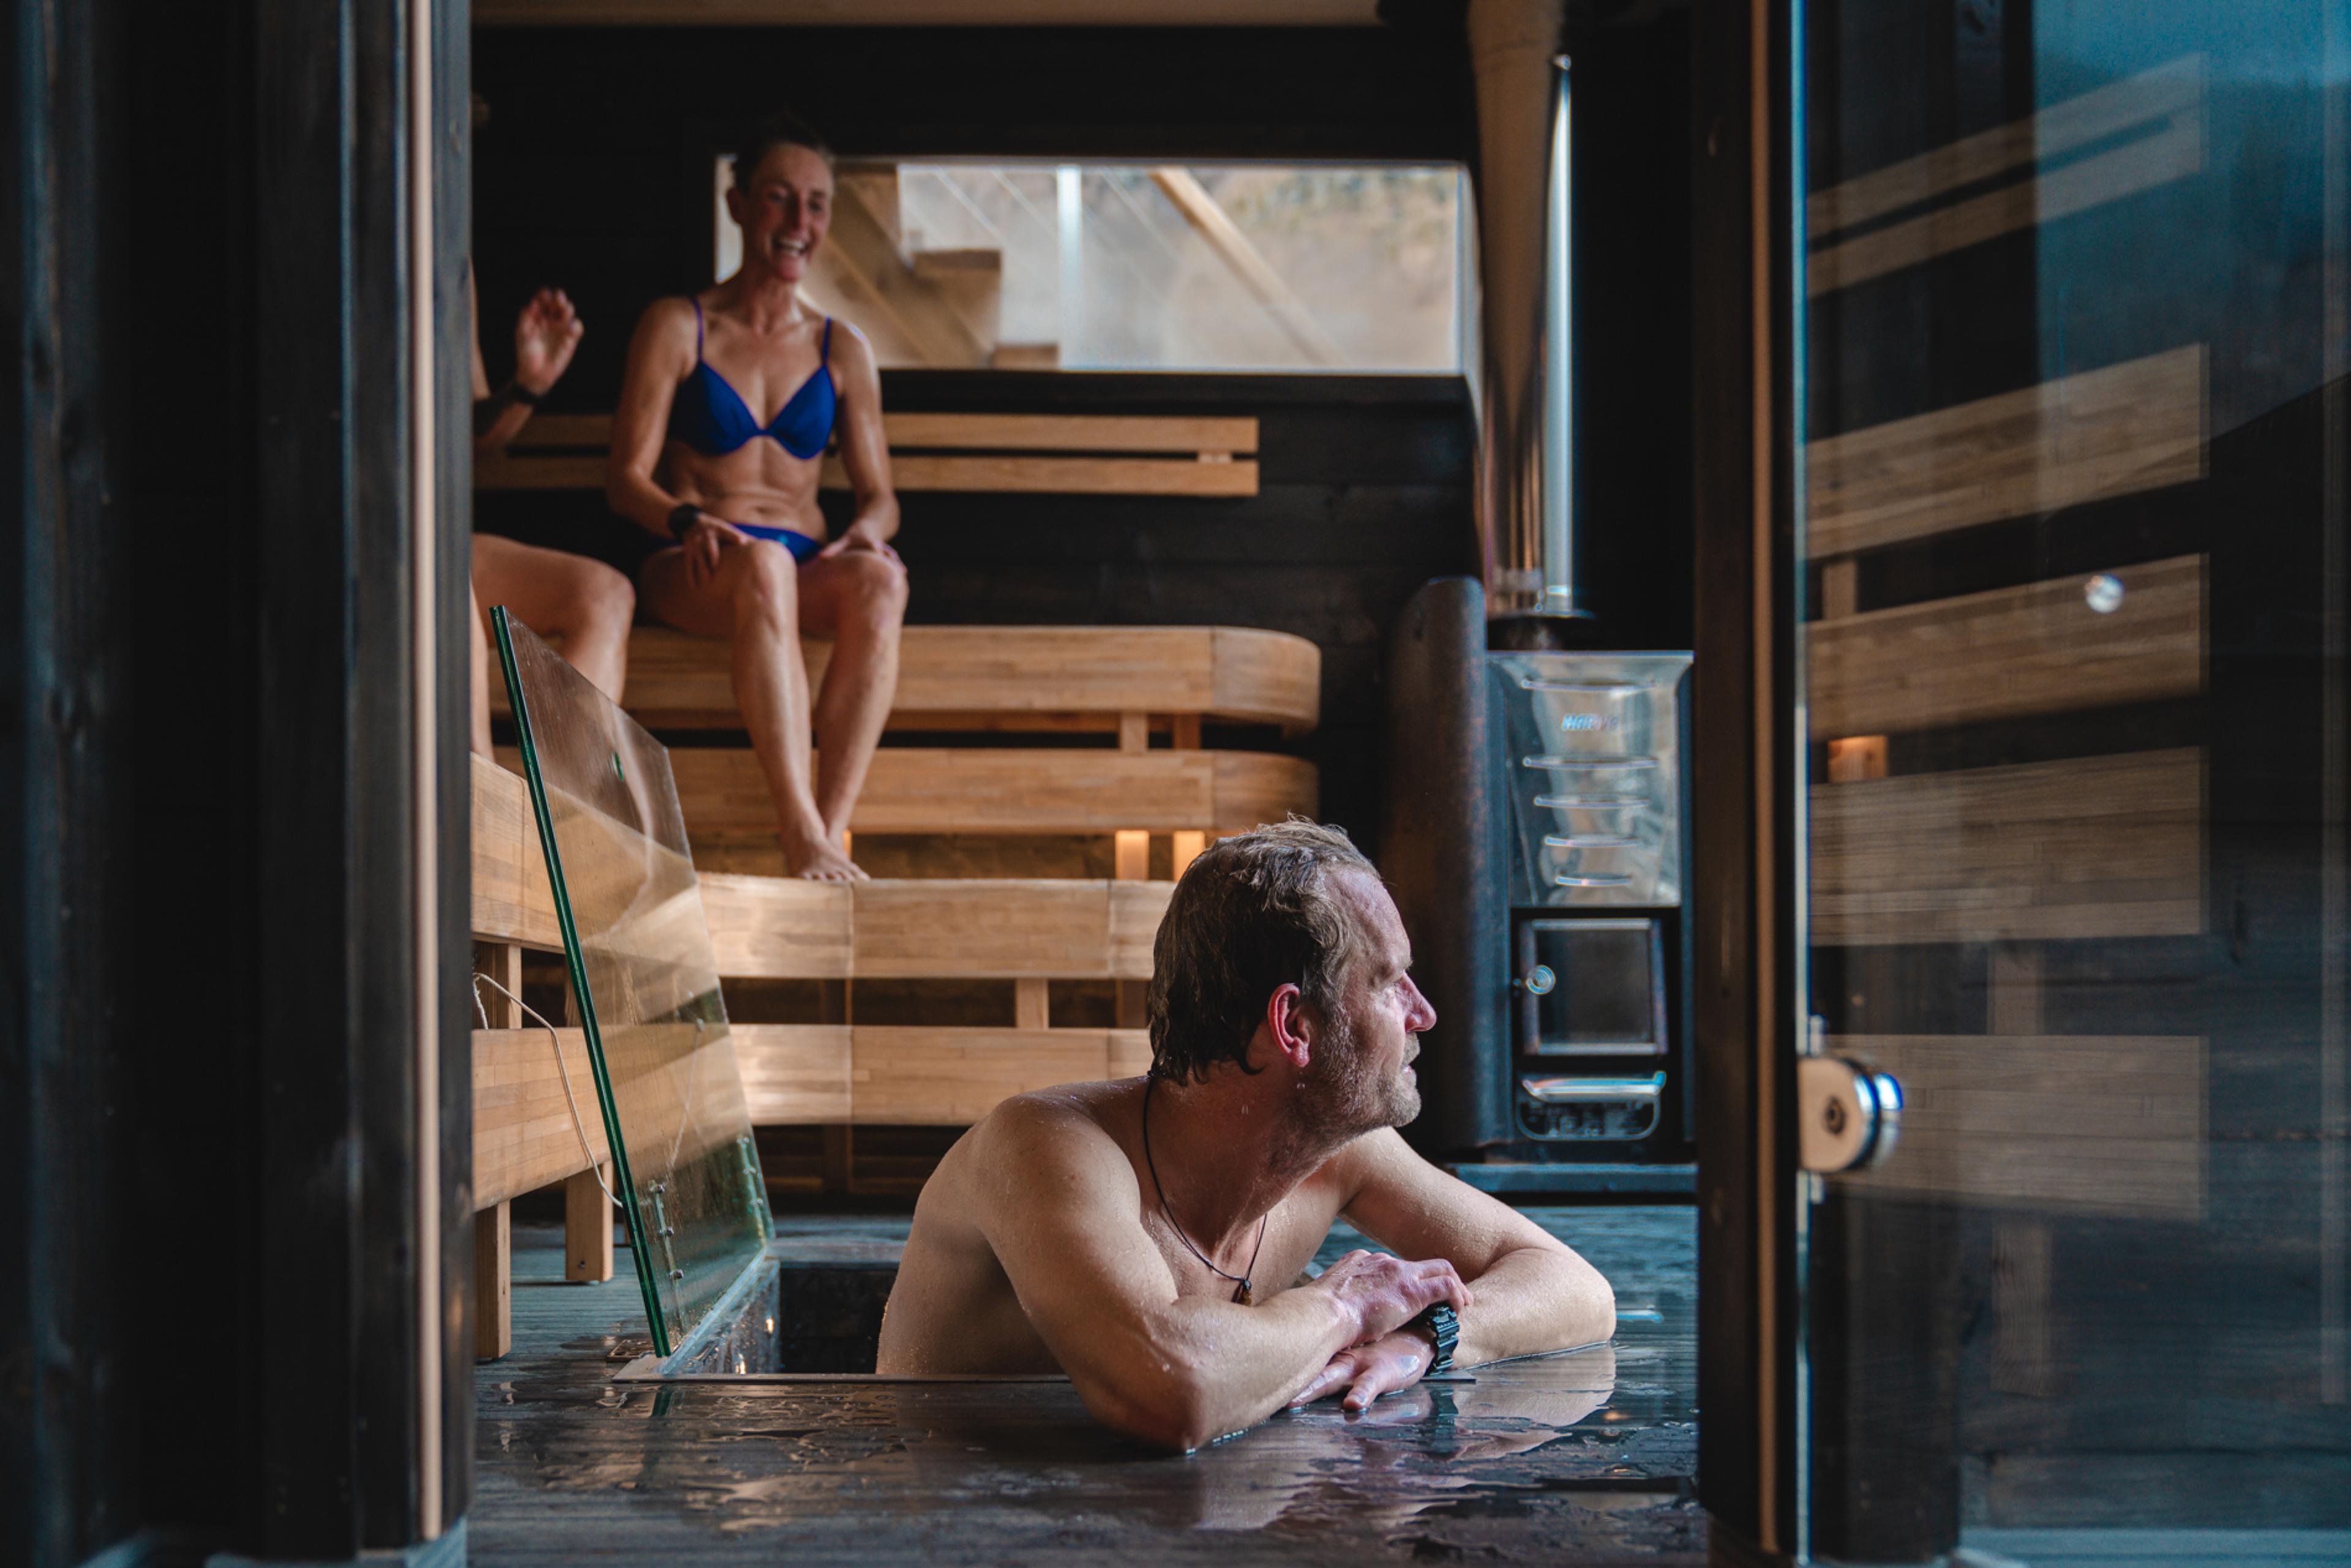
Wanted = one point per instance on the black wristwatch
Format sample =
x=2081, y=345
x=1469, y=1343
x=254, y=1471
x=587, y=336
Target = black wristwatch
x=1444, y=1328
x=682, y=518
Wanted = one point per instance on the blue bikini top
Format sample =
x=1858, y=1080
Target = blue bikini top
x=709, y=416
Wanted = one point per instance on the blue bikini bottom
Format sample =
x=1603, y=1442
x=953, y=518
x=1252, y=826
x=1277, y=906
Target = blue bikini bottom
x=799, y=544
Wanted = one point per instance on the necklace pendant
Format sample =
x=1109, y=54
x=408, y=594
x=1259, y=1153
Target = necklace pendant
x=1245, y=1296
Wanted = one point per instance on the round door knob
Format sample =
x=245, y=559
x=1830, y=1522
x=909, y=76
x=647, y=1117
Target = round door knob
x=1539, y=980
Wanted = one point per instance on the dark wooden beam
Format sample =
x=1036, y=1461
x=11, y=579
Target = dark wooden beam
x=1741, y=842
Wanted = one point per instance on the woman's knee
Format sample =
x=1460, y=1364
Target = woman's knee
x=608, y=600
x=877, y=585
x=766, y=582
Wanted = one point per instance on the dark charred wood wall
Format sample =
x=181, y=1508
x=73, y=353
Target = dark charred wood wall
x=593, y=172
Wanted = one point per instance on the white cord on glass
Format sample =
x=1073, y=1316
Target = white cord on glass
x=556, y=1041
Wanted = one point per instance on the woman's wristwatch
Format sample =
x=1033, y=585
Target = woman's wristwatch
x=1443, y=1326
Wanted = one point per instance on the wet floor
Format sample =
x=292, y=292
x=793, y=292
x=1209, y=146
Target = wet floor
x=1583, y=1457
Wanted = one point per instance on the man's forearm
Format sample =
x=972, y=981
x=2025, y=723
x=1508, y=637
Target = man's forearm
x=1535, y=1300
x=1239, y=1364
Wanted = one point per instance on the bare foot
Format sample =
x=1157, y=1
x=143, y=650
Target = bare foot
x=823, y=862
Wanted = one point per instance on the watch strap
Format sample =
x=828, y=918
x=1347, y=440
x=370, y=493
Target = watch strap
x=1443, y=1325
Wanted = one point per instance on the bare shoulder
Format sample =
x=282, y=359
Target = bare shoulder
x=667, y=325
x=852, y=351
x=1058, y=1132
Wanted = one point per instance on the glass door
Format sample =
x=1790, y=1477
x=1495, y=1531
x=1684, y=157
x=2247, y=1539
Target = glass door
x=2073, y=434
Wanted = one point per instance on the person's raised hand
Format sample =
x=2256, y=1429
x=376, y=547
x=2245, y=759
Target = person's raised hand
x=546, y=333
x=706, y=543
x=1395, y=1360
x=1380, y=1292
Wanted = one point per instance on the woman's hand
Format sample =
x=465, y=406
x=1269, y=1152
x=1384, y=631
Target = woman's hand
x=546, y=333
x=704, y=543
x=1393, y=1360
x=856, y=536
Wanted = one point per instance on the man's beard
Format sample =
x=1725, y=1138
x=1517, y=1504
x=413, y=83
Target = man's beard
x=1340, y=1097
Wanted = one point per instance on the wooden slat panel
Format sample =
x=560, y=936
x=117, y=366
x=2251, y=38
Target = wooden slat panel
x=794, y=1074
x=2137, y=425
x=977, y=928
x=989, y=475
x=1012, y=474
x=1271, y=677
x=2014, y=651
x=783, y=928
x=568, y=451
x=927, y=13
x=966, y=431
x=511, y=899
x=780, y=928
x=2073, y=1124
x=1229, y=672
x=1068, y=432
x=2174, y=151
x=2158, y=94
x=920, y=1077
x=982, y=928
x=2104, y=846
x=1137, y=908
x=939, y=1077
x=524, y=1138
x=920, y=789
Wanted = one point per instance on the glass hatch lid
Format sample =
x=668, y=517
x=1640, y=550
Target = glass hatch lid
x=643, y=987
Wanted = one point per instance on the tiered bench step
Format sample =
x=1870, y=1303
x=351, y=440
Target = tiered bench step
x=1027, y=931
x=1019, y=678
x=1019, y=454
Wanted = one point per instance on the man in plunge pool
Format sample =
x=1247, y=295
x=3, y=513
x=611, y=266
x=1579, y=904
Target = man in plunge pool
x=1150, y=1237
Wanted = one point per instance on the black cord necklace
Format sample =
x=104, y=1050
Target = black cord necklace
x=1240, y=1281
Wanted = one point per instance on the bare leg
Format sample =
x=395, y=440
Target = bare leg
x=859, y=600
x=582, y=603
x=753, y=599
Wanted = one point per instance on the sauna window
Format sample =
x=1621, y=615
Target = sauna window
x=1131, y=266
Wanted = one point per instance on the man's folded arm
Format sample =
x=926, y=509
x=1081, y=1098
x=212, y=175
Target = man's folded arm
x=1171, y=1370
x=1533, y=1292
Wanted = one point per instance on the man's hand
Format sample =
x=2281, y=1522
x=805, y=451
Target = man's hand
x=1382, y=1293
x=1391, y=1361
x=546, y=333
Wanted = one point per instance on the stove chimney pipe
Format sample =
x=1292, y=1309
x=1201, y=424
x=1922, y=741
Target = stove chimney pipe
x=1526, y=524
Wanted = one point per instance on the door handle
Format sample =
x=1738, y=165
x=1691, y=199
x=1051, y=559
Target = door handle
x=1847, y=1116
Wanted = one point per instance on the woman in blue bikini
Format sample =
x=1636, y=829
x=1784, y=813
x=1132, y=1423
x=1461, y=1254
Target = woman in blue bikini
x=730, y=398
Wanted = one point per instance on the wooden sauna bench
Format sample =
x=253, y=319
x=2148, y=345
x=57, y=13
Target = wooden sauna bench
x=1031, y=932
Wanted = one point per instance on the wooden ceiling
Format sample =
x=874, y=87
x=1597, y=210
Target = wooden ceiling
x=927, y=13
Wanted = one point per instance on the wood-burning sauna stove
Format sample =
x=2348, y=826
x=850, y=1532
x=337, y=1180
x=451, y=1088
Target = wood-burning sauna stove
x=1534, y=834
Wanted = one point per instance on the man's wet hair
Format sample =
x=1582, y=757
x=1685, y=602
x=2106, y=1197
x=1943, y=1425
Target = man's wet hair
x=779, y=129
x=1252, y=913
